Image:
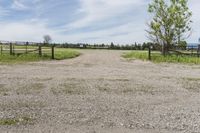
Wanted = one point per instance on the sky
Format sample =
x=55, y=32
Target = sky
x=81, y=21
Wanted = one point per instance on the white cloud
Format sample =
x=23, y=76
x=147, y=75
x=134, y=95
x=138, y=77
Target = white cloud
x=127, y=33
x=23, y=31
x=18, y=5
x=102, y=10
x=194, y=6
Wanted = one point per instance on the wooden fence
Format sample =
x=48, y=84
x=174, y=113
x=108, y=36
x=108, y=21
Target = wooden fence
x=187, y=51
x=14, y=49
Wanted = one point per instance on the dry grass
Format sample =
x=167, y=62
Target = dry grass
x=3, y=90
x=68, y=89
x=32, y=88
x=192, y=84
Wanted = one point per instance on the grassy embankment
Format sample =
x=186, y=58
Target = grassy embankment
x=158, y=58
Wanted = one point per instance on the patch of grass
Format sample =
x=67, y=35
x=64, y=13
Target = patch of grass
x=43, y=79
x=166, y=77
x=139, y=88
x=33, y=88
x=118, y=79
x=13, y=59
x=192, y=79
x=158, y=58
x=15, y=121
x=8, y=121
x=60, y=54
x=191, y=84
x=68, y=88
x=105, y=87
x=136, y=55
x=125, y=88
x=3, y=90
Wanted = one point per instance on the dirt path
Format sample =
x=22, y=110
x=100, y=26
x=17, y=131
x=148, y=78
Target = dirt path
x=99, y=92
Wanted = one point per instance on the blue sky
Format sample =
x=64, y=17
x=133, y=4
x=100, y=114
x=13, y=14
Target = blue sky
x=87, y=21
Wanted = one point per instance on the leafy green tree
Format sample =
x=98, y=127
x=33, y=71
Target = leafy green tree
x=182, y=45
x=170, y=24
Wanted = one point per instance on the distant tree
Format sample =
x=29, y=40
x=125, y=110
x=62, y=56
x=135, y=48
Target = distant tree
x=47, y=39
x=170, y=24
x=112, y=45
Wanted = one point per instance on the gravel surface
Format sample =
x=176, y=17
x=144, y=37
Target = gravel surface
x=99, y=92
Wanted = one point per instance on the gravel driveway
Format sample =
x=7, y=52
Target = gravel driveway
x=99, y=92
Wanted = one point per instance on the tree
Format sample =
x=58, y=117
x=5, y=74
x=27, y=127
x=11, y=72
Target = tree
x=112, y=46
x=182, y=45
x=47, y=39
x=170, y=24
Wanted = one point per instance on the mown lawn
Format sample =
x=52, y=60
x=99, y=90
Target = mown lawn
x=60, y=54
x=158, y=58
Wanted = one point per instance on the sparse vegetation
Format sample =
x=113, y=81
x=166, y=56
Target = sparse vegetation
x=32, y=88
x=191, y=84
x=158, y=58
x=15, y=121
x=3, y=90
x=68, y=88
x=114, y=91
x=192, y=79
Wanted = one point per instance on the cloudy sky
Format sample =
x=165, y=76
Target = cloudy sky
x=87, y=21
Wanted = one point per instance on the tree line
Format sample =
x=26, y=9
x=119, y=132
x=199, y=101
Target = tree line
x=135, y=46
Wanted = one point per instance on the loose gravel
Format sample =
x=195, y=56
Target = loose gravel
x=99, y=92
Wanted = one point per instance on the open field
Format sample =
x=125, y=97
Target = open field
x=99, y=92
x=60, y=54
x=158, y=58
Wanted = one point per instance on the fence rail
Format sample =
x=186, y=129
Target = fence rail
x=179, y=51
x=14, y=49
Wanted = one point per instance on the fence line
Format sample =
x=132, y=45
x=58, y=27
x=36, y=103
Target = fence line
x=14, y=49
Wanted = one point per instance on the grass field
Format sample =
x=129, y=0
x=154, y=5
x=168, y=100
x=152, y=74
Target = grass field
x=60, y=54
x=158, y=58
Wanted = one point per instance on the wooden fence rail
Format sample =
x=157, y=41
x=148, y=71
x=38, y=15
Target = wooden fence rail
x=17, y=50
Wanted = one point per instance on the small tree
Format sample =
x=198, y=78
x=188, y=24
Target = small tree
x=47, y=39
x=112, y=46
x=170, y=24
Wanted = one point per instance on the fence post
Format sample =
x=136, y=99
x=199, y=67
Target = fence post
x=52, y=52
x=149, y=55
x=192, y=50
x=11, y=49
x=26, y=47
x=1, y=49
x=40, y=50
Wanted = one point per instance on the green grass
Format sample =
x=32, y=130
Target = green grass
x=15, y=121
x=60, y=54
x=191, y=79
x=158, y=58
